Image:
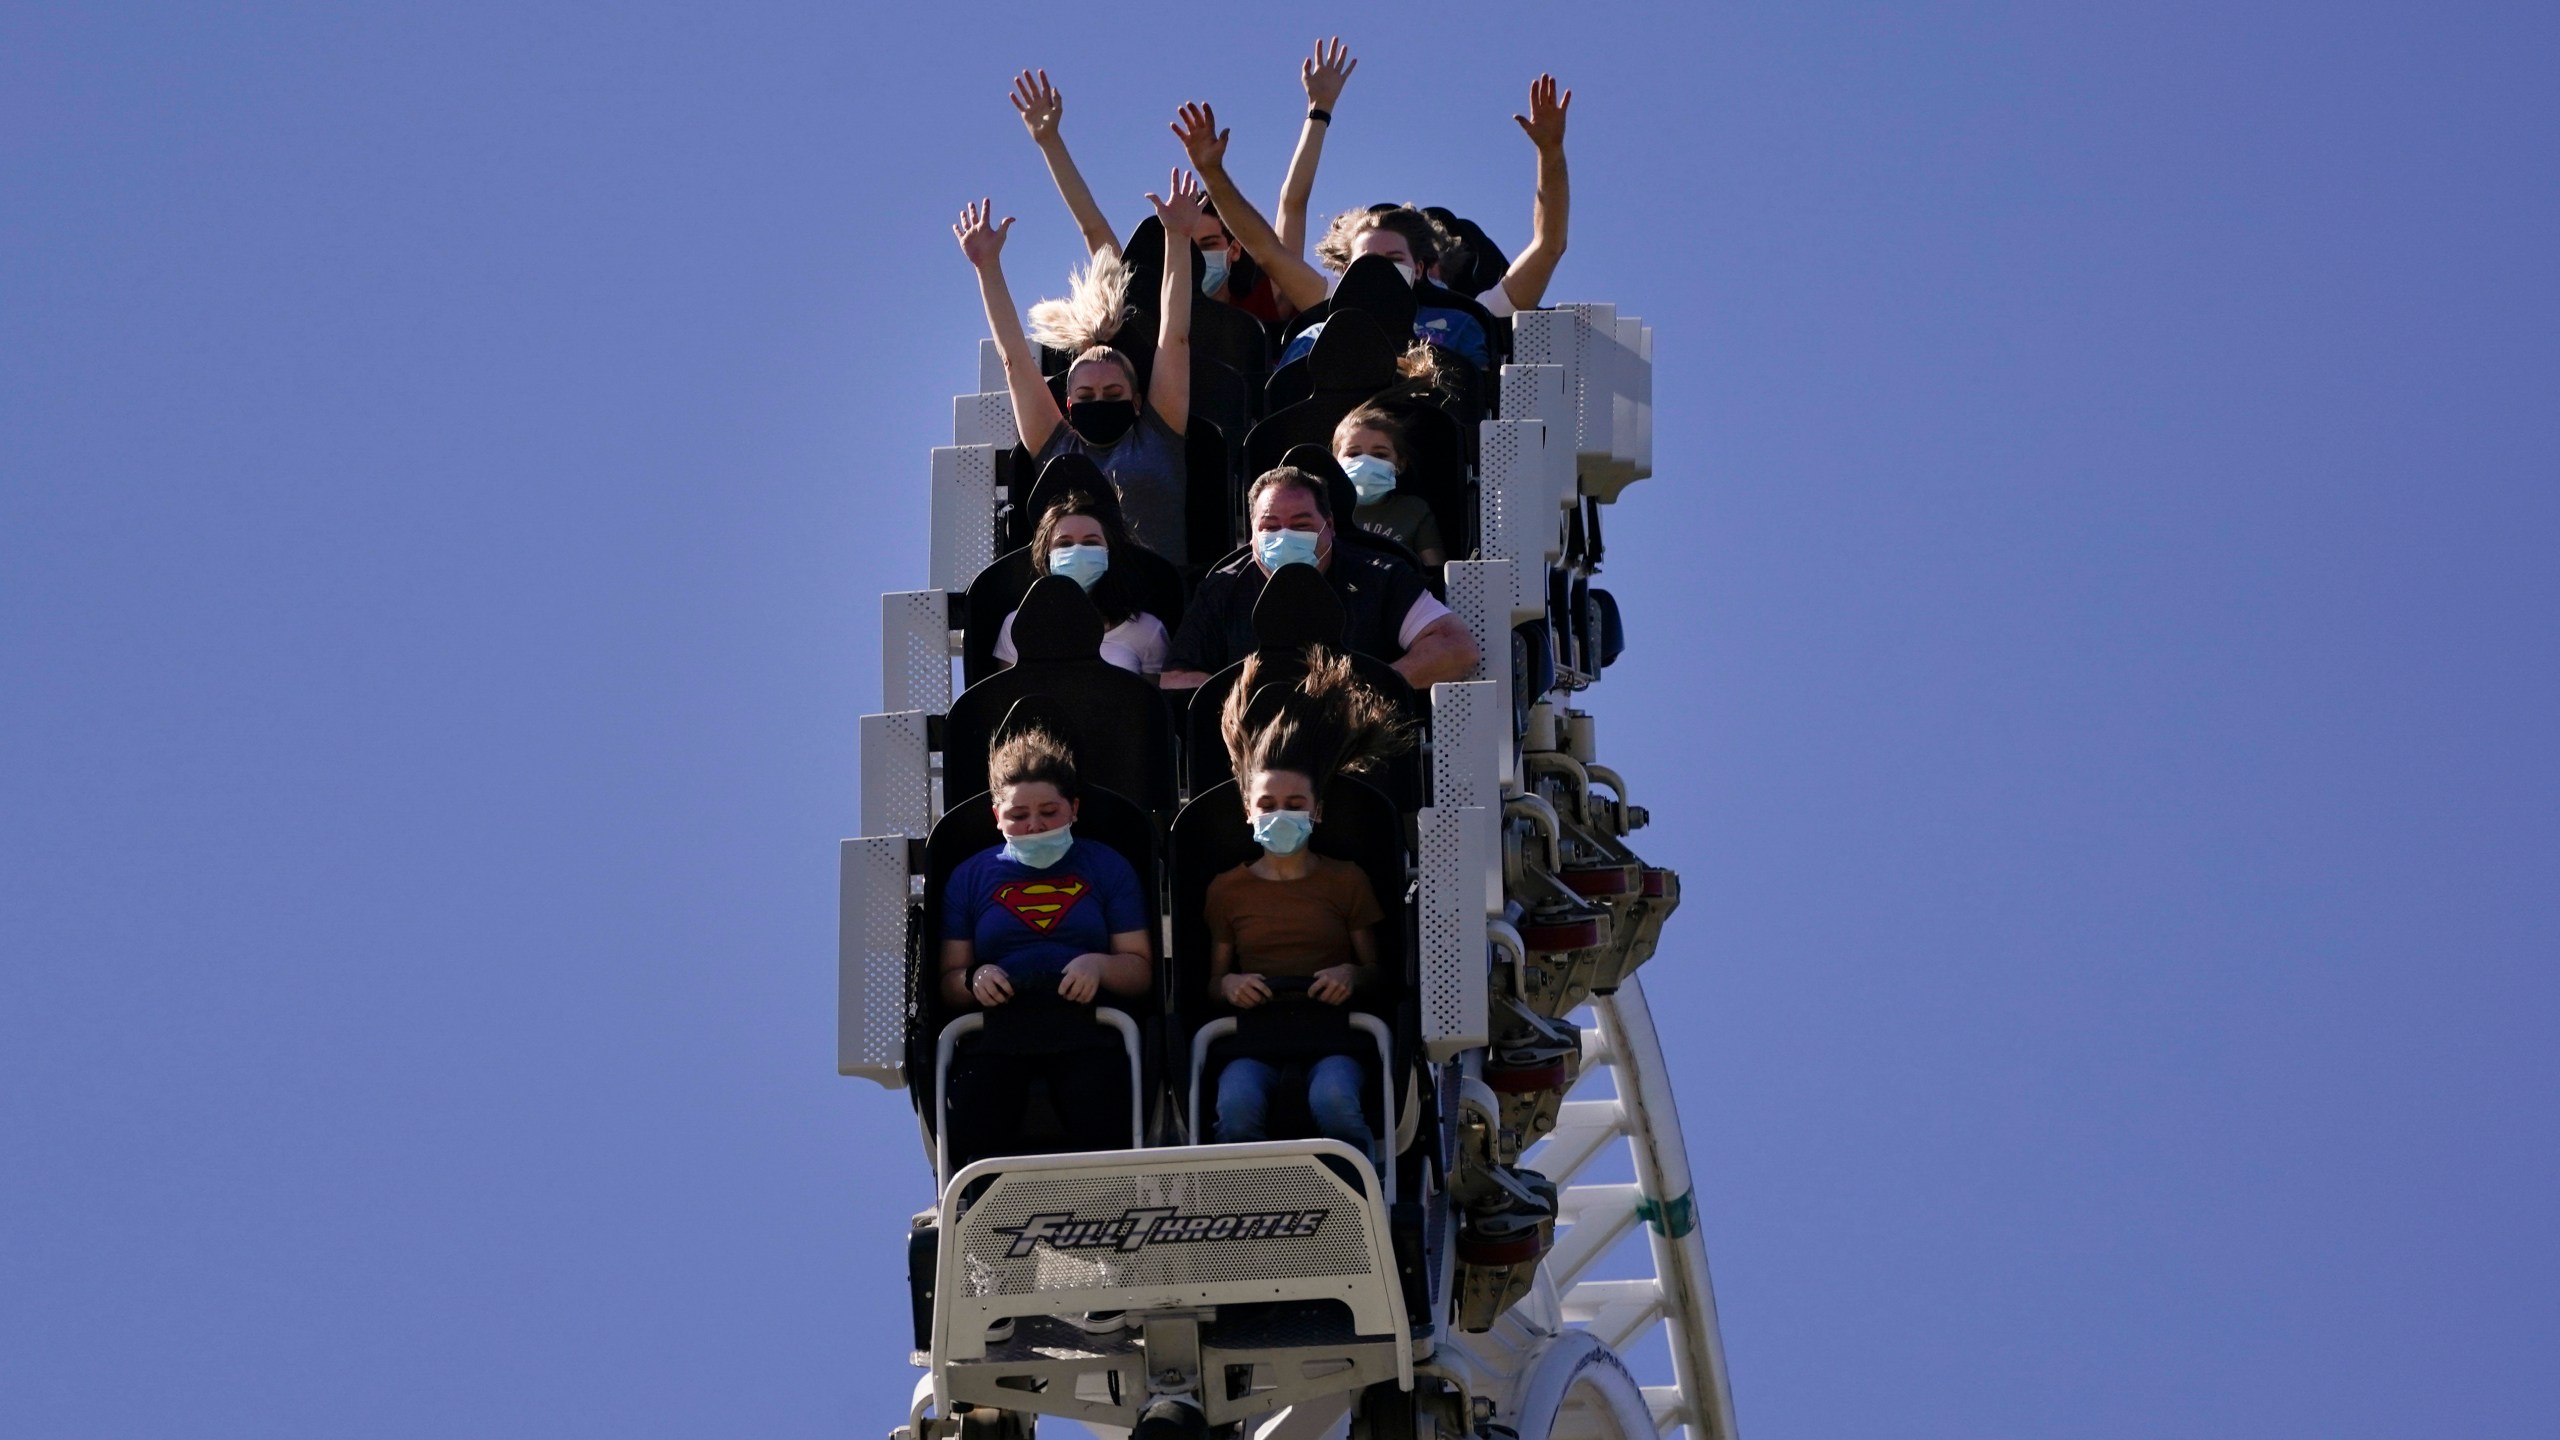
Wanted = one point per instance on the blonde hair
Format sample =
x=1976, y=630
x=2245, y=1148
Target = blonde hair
x=1422, y=233
x=1097, y=303
x=1328, y=721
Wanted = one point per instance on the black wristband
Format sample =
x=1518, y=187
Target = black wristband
x=1313, y=113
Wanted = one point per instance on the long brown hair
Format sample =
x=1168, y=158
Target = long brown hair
x=1325, y=722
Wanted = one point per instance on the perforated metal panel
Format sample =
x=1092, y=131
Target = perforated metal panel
x=871, y=959
x=897, y=775
x=964, y=515
x=1516, y=513
x=1471, y=749
x=1455, y=876
x=1489, y=597
x=990, y=365
x=985, y=418
x=915, y=651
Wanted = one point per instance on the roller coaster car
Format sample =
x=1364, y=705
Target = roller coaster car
x=1208, y=502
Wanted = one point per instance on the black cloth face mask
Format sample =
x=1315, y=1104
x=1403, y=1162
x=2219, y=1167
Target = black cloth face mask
x=1101, y=422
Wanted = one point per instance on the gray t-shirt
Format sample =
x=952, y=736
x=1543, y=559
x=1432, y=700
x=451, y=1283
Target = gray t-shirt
x=1148, y=467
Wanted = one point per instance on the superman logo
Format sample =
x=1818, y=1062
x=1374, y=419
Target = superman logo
x=1041, y=904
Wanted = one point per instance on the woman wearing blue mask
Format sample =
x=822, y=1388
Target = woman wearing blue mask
x=1077, y=537
x=1292, y=914
x=1369, y=445
x=1044, y=917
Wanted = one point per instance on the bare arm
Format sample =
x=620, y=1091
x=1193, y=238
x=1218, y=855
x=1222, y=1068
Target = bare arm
x=1242, y=991
x=993, y=987
x=1336, y=984
x=1323, y=75
x=1183, y=679
x=1526, y=281
x=1299, y=283
x=1036, y=416
x=1169, y=388
x=1443, y=651
x=1041, y=106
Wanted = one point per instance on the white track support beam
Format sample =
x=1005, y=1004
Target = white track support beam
x=1456, y=855
x=915, y=651
x=871, y=959
x=1596, y=1216
x=964, y=515
x=1669, y=1210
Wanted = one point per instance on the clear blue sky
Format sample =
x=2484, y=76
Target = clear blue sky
x=2093, y=661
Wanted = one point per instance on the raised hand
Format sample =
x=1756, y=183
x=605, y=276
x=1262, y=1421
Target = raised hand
x=980, y=241
x=1324, y=72
x=1544, y=124
x=1038, y=103
x=1196, y=126
x=1181, y=215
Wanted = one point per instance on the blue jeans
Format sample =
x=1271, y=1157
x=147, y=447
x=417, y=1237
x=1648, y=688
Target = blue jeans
x=1333, y=1096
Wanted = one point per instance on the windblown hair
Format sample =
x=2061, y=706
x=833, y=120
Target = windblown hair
x=1290, y=477
x=1111, y=594
x=1096, y=304
x=1370, y=417
x=1419, y=231
x=1326, y=721
x=1030, y=756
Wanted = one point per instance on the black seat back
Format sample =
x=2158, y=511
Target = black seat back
x=1352, y=361
x=1298, y=608
x=1119, y=729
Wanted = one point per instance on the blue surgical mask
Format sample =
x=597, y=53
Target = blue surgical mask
x=1275, y=548
x=1083, y=564
x=1374, y=478
x=1042, y=850
x=1216, y=279
x=1283, y=832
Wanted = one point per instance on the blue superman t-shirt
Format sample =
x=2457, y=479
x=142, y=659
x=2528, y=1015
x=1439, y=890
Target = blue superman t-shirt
x=1032, y=922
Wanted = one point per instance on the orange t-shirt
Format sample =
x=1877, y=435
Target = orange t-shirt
x=1292, y=927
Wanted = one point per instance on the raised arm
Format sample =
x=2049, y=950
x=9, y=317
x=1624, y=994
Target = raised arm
x=1169, y=388
x=1036, y=416
x=1323, y=74
x=1526, y=281
x=1300, y=283
x=1040, y=106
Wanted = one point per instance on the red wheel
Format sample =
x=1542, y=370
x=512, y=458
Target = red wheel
x=1599, y=880
x=1490, y=1252
x=1525, y=1079
x=1572, y=935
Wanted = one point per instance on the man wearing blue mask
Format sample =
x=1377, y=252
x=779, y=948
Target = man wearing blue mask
x=1393, y=616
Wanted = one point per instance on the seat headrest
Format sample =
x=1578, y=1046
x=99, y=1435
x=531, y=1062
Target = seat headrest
x=1317, y=460
x=1037, y=712
x=1298, y=608
x=1374, y=287
x=1057, y=622
x=1067, y=474
x=1473, y=263
x=1354, y=353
